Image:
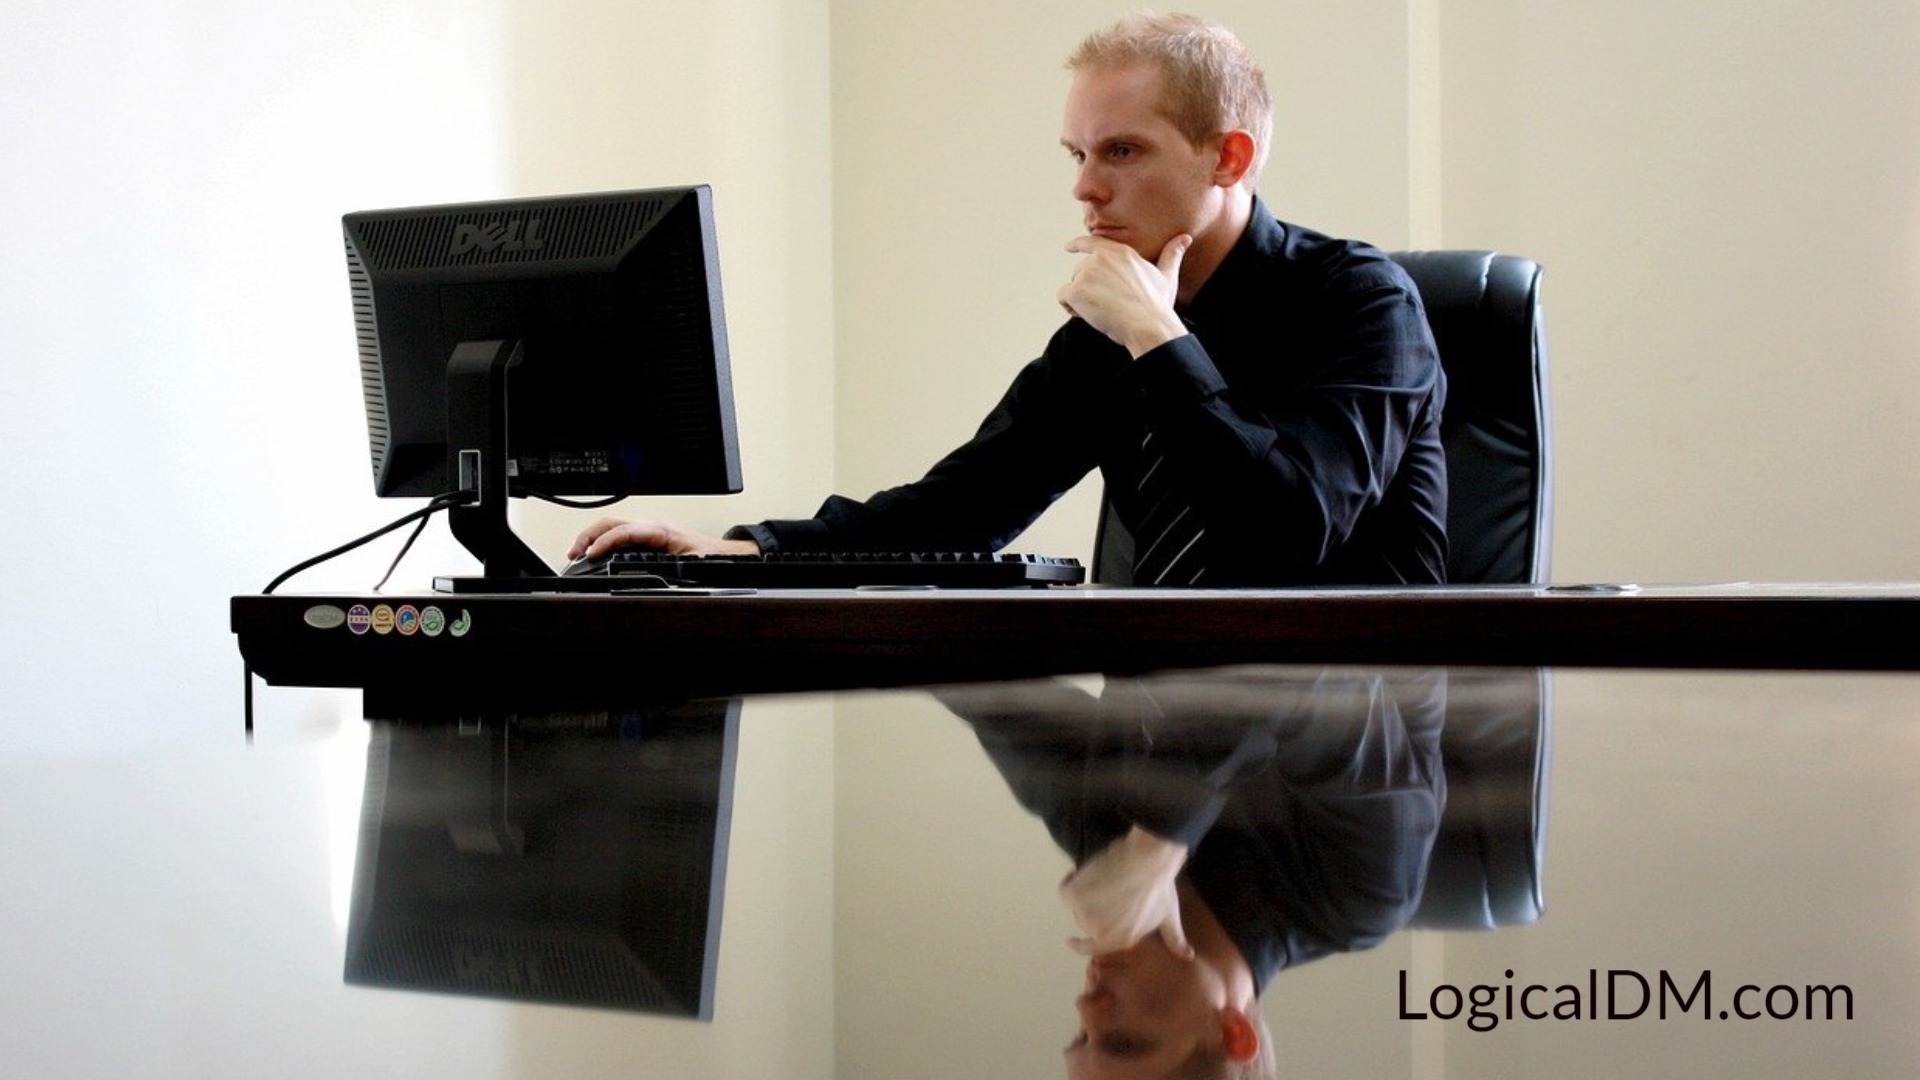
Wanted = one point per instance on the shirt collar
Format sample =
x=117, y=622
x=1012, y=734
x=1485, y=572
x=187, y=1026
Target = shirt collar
x=1263, y=233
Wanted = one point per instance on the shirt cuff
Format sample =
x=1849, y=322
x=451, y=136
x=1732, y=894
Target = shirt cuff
x=1176, y=373
x=809, y=534
x=759, y=534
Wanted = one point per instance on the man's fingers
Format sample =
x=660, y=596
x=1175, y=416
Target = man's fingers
x=610, y=533
x=590, y=534
x=1171, y=255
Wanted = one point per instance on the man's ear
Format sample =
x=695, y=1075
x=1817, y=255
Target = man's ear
x=1239, y=1039
x=1236, y=158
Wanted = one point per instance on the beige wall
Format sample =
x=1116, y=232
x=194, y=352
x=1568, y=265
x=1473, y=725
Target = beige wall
x=1725, y=197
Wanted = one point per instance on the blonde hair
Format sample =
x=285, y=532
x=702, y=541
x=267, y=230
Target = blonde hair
x=1210, y=83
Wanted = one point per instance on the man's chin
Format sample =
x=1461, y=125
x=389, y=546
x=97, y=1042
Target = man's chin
x=1145, y=246
x=1148, y=248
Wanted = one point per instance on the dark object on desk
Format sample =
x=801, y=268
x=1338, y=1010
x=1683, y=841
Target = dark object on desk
x=1484, y=310
x=567, y=346
x=570, y=859
x=629, y=568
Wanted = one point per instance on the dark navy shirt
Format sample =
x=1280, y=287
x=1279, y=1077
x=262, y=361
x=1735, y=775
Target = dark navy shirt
x=1300, y=419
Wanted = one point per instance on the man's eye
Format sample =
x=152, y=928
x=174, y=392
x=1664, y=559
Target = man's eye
x=1121, y=152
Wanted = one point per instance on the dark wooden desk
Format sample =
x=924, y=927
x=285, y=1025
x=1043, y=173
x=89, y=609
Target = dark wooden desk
x=682, y=646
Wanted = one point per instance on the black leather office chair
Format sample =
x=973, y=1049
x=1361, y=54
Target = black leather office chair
x=1484, y=309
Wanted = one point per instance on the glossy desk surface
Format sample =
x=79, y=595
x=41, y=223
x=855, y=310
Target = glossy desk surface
x=868, y=876
x=887, y=901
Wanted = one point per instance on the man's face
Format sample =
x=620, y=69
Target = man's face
x=1143, y=1012
x=1137, y=178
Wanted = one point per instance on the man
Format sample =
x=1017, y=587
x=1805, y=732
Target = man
x=1262, y=401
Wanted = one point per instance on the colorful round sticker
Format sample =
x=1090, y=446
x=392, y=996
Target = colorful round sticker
x=382, y=619
x=359, y=619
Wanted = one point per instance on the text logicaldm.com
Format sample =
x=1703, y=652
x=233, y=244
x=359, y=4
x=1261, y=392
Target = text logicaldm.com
x=1618, y=994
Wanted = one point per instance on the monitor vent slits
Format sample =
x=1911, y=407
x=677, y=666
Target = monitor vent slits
x=556, y=231
x=371, y=387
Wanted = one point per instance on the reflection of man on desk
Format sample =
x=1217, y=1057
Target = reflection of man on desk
x=1263, y=402
x=1222, y=829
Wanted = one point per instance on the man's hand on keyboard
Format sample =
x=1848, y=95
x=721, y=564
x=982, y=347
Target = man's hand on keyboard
x=609, y=534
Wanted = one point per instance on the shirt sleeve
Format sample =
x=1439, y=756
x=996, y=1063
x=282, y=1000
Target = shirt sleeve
x=1030, y=450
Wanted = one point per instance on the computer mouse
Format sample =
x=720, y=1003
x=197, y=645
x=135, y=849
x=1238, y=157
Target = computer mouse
x=587, y=567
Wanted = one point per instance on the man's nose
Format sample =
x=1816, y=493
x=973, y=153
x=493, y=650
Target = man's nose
x=1093, y=1006
x=1087, y=186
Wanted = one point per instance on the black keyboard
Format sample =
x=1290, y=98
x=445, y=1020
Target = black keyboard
x=835, y=570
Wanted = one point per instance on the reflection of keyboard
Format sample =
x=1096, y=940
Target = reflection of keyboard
x=836, y=570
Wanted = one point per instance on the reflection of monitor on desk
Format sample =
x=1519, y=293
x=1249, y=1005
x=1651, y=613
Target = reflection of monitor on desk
x=569, y=346
x=575, y=859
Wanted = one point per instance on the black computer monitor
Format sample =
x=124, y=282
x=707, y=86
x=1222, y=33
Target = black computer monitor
x=572, y=346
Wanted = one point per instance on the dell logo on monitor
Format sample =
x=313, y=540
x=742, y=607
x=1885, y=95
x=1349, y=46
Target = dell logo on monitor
x=501, y=236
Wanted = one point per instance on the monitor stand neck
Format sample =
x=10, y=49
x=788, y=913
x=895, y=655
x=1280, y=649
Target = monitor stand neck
x=477, y=440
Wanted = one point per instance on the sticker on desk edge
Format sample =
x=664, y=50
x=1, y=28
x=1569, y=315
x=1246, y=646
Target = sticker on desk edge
x=324, y=617
x=360, y=619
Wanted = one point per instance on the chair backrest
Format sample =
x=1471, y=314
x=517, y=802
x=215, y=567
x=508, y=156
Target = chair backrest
x=1488, y=861
x=1484, y=309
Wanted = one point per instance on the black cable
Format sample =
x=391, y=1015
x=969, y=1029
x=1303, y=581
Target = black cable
x=404, y=548
x=577, y=504
x=438, y=503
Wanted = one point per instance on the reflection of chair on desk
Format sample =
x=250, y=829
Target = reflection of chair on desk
x=1484, y=309
x=1496, y=748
